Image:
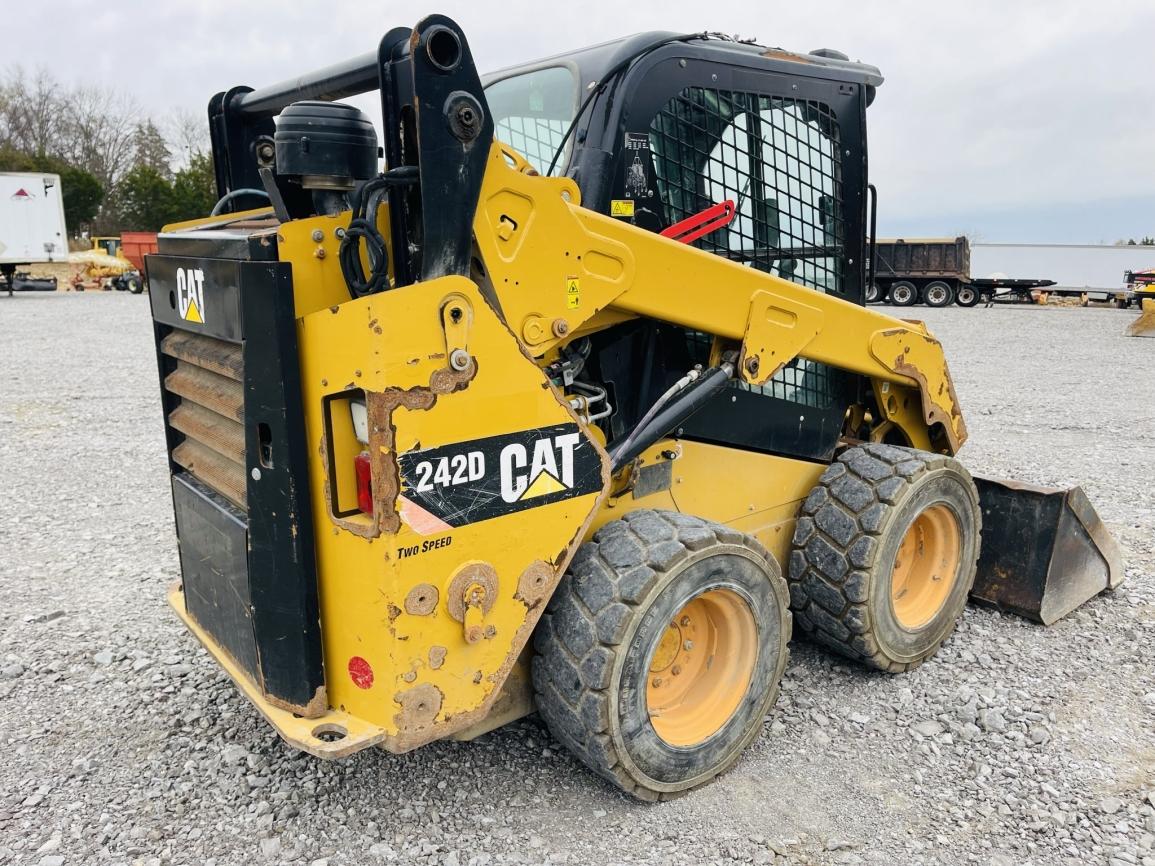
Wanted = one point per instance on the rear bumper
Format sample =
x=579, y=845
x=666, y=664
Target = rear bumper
x=333, y=734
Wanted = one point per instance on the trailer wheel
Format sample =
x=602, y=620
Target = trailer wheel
x=884, y=554
x=661, y=651
x=937, y=294
x=873, y=293
x=134, y=284
x=903, y=294
x=966, y=296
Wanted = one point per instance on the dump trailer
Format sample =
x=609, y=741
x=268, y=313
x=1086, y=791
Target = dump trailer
x=935, y=272
x=470, y=436
x=32, y=229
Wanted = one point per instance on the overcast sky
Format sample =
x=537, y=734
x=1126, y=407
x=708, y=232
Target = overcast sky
x=1010, y=120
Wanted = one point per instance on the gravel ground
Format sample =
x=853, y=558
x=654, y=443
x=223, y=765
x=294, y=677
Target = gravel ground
x=123, y=743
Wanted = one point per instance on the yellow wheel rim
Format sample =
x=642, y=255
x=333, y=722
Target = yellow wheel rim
x=702, y=667
x=925, y=567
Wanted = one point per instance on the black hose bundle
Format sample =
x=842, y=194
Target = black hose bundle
x=364, y=201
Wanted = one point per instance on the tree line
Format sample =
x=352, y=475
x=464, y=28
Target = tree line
x=120, y=169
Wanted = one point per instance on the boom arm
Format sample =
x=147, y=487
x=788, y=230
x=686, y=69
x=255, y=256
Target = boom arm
x=557, y=268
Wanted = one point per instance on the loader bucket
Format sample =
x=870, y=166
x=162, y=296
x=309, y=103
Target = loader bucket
x=1044, y=550
x=1144, y=326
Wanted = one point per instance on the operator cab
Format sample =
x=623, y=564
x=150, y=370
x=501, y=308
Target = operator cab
x=686, y=123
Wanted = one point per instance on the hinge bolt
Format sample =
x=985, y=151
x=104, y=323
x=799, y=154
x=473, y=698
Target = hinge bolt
x=459, y=360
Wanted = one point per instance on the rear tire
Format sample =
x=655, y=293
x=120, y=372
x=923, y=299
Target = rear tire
x=937, y=294
x=903, y=294
x=966, y=296
x=873, y=293
x=884, y=554
x=615, y=672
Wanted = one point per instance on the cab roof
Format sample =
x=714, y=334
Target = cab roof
x=593, y=62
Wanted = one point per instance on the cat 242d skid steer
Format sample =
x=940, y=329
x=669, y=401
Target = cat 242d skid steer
x=572, y=407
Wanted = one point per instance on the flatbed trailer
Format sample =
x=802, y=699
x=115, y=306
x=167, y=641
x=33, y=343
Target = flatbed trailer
x=992, y=289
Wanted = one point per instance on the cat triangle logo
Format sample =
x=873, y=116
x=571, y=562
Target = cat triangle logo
x=543, y=485
x=22, y=193
x=190, y=294
x=194, y=313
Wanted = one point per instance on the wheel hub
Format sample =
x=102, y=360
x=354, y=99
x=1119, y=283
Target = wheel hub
x=925, y=567
x=701, y=667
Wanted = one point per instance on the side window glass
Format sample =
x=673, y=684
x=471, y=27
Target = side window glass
x=778, y=159
x=799, y=145
x=532, y=111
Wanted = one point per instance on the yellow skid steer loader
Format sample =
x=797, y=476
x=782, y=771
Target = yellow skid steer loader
x=573, y=407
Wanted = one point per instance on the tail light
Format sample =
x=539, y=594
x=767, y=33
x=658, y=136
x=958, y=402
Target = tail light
x=364, y=482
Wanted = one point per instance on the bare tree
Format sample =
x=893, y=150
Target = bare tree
x=33, y=112
x=187, y=134
x=100, y=128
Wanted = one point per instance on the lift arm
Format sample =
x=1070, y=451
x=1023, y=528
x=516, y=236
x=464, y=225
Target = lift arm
x=555, y=267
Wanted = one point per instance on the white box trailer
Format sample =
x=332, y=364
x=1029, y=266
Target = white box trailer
x=1095, y=270
x=32, y=226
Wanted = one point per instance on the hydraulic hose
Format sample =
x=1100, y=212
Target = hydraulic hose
x=671, y=409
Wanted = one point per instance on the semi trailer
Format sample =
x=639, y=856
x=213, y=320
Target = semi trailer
x=32, y=227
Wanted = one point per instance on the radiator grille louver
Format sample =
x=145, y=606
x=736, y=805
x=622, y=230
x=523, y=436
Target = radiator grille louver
x=208, y=380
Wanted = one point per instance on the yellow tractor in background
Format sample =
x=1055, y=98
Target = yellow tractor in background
x=105, y=266
x=1141, y=286
x=575, y=407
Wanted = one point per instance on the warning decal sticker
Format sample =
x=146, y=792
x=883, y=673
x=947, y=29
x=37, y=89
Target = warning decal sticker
x=468, y=482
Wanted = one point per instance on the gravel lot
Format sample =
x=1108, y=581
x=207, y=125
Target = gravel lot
x=123, y=743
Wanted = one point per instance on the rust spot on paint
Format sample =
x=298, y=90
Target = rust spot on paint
x=436, y=657
x=409, y=676
x=481, y=573
x=419, y=707
x=533, y=583
x=422, y=600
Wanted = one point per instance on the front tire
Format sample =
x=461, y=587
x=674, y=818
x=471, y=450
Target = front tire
x=661, y=651
x=884, y=554
x=873, y=293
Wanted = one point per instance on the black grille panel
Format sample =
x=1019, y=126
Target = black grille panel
x=208, y=380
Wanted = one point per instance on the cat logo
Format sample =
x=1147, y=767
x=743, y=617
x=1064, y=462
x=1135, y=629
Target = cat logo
x=549, y=469
x=21, y=195
x=190, y=294
x=466, y=482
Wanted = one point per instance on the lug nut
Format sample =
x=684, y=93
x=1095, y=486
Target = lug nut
x=687, y=645
x=677, y=670
x=657, y=682
x=685, y=621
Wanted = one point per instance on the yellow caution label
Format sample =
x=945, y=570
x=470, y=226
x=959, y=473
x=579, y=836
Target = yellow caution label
x=622, y=207
x=573, y=293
